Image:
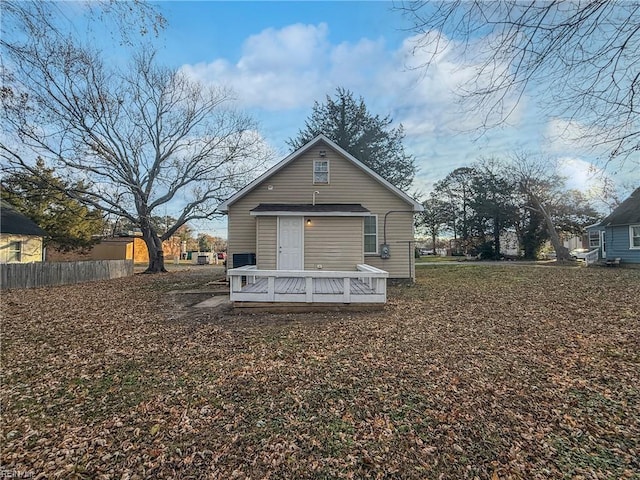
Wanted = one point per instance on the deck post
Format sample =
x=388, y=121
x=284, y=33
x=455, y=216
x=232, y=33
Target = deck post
x=309, y=289
x=236, y=283
x=380, y=285
x=271, y=288
x=347, y=290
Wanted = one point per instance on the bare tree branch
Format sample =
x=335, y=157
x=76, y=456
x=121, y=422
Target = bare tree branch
x=139, y=139
x=579, y=59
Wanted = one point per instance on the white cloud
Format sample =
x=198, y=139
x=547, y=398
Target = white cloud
x=278, y=70
x=281, y=72
x=357, y=65
x=290, y=49
x=566, y=135
x=294, y=66
x=580, y=174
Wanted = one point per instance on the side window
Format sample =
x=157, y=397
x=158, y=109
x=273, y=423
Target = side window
x=634, y=236
x=15, y=252
x=321, y=171
x=371, y=234
x=594, y=239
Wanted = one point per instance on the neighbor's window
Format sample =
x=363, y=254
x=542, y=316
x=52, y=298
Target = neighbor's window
x=321, y=171
x=594, y=239
x=634, y=236
x=371, y=234
x=15, y=252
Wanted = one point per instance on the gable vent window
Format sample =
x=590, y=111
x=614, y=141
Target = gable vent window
x=321, y=172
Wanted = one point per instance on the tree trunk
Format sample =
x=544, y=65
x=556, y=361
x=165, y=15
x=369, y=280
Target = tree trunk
x=433, y=239
x=496, y=237
x=562, y=253
x=156, y=254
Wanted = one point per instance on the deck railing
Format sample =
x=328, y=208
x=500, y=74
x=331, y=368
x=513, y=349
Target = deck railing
x=592, y=257
x=309, y=286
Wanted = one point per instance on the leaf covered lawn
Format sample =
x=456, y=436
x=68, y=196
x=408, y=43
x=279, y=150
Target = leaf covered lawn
x=483, y=372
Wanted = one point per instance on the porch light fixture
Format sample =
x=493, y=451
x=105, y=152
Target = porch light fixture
x=308, y=221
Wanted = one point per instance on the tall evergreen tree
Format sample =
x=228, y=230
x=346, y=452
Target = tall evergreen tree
x=44, y=198
x=531, y=230
x=492, y=203
x=369, y=138
x=456, y=190
x=434, y=218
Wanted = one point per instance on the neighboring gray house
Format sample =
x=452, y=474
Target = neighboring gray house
x=618, y=235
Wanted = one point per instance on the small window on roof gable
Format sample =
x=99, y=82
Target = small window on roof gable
x=321, y=172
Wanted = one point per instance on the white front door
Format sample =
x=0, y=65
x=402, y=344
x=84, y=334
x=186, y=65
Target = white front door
x=290, y=243
x=603, y=243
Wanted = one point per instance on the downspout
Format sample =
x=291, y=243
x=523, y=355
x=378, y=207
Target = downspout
x=385, y=221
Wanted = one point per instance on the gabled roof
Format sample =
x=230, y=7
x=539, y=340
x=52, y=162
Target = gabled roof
x=12, y=221
x=417, y=207
x=627, y=213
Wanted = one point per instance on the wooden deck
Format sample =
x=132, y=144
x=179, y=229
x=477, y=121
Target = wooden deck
x=364, y=285
x=322, y=286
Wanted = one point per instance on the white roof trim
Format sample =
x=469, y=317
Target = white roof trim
x=224, y=206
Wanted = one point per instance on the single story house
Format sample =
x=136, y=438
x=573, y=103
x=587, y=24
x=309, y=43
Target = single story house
x=618, y=234
x=321, y=214
x=21, y=239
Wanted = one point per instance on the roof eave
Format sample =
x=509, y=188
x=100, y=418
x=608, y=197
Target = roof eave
x=224, y=206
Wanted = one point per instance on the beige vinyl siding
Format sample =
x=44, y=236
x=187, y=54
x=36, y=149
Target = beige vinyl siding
x=241, y=231
x=348, y=184
x=30, y=248
x=266, y=253
x=333, y=242
x=399, y=232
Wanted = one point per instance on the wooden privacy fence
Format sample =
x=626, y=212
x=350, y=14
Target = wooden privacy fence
x=42, y=274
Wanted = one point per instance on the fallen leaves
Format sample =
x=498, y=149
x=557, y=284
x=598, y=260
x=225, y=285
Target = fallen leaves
x=474, y=372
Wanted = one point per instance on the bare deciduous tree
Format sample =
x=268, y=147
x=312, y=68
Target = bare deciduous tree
x=140, y=139
x=127, y=21
x=578, y=58
x=542, y=188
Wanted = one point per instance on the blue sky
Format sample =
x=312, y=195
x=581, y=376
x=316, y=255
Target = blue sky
x=281, y=56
